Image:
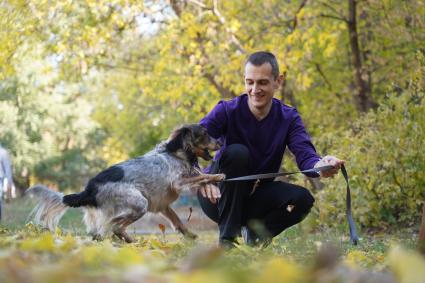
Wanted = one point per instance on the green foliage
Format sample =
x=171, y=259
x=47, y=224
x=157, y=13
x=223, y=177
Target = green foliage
x=46, y=125
x=385, y=159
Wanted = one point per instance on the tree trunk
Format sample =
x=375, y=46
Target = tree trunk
x=421, y=241
x=362, y=98
x=286, y=94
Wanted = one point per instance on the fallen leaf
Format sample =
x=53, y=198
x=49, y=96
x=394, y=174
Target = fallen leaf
x=161, y=227
x=190, y=213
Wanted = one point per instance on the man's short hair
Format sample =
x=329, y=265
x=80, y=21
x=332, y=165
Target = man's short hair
x=261, y=57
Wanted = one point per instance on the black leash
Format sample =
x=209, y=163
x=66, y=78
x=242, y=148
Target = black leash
x=273, y=175
x=353, y=234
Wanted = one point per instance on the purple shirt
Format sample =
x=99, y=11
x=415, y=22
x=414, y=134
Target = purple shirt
x=233, y=122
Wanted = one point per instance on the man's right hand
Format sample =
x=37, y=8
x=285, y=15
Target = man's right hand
x=210, y=191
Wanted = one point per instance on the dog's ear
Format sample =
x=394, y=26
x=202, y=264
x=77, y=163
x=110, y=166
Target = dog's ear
x=177, y=138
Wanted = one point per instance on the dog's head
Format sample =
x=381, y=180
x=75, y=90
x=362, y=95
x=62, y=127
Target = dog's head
x=192, y=140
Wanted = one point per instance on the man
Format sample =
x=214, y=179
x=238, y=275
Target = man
x=6, y=180
x=255, y=129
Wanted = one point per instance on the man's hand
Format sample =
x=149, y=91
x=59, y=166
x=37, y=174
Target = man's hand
x=329, y=160
x=210, y=191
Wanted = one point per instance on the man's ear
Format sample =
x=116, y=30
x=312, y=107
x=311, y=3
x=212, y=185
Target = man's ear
x=279, y=81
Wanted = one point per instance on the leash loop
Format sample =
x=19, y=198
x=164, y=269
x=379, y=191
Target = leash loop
x=353, y=233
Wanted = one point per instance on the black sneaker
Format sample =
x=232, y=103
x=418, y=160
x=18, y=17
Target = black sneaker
x=228, y=243
x=249, y=236
x=253, y=240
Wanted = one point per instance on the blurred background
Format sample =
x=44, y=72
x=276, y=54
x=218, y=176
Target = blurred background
x=86, y=84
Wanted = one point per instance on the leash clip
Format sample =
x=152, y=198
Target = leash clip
x=256, y=184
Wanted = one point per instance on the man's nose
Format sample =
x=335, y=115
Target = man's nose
x=255, y=88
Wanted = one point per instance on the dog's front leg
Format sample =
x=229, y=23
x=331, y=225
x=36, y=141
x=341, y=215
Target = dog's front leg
x=177, y=223
x=203, y=179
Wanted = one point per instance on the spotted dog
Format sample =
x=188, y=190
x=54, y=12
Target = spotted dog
x=123, y=193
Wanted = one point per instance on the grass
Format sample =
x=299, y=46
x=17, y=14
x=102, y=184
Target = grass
x=16, y=214
x=69, y=255
x=298, y=242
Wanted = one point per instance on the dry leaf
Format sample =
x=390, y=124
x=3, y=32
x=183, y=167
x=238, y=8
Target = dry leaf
x=190, y=213
x=161, y=227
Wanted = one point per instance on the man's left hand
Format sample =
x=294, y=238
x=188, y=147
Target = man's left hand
x=329, y=160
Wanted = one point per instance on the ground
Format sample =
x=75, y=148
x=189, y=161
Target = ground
x=31, y=254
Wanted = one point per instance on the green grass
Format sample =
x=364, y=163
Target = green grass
x=68, y=255
x=298, y=242
x=16, y=215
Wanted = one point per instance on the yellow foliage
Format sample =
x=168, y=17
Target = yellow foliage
x=409, y=267
x=117, y=154
x=355, y=258
x=202, y=276
x=279, y=270
x=103, y=255
x=45, y=243
x=68, y=243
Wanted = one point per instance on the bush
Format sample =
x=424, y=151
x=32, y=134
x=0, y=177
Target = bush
x=385, y=158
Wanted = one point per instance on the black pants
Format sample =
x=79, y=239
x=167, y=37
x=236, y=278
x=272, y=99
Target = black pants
x=267, y=205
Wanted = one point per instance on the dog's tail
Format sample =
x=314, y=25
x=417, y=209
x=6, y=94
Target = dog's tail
x=50, y=208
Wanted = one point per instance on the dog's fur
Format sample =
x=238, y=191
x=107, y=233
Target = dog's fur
x=123, y=193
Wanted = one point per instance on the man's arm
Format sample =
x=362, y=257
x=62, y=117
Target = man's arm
x=216, y=121
x=216, y=124
x=299, y=143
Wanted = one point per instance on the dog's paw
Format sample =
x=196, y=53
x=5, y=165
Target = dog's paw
x=97, y=237
x=219, y=177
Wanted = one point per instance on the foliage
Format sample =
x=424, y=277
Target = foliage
x=196, y=57
x=46, y=125
x=89, y=83
x=384, y=150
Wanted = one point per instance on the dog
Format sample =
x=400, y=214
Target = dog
x=123, y=193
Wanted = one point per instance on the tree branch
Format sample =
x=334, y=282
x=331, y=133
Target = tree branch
x=295, y=20
x=324, y=3
x=319, y=69
x=198, y=3
x=225, y=92
x=222, y=20
x=334, y=17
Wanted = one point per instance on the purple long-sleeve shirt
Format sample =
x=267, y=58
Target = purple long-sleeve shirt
x=233, y=122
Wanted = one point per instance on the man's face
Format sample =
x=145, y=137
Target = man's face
x=260, y=85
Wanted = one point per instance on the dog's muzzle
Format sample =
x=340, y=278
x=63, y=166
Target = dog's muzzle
x=206, y=154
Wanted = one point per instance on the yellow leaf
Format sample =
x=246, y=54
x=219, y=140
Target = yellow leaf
x=68, y=244
x=44, y=243
x=280, y=270
x=408, y=266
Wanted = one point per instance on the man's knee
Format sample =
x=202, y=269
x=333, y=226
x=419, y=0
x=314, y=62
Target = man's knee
x=236, y=153
x=305, y=199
